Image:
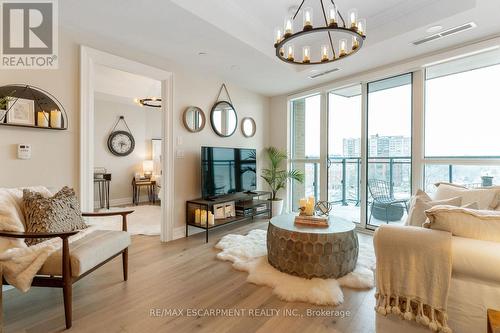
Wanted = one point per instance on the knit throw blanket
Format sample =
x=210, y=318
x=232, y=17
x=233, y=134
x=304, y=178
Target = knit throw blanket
x=19, y=262
x=413, y=274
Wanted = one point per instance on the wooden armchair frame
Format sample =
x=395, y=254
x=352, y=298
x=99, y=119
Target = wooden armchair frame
x=66, y=280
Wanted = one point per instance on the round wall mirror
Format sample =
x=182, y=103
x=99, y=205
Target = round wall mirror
x=248, y=127
x=194, y=119
x=223, y=119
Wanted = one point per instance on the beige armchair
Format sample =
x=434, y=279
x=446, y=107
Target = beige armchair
x=78, y=258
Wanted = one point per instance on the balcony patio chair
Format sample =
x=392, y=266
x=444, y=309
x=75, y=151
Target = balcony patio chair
x=382, y=197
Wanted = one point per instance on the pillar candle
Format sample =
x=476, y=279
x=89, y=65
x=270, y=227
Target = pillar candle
x=302, y=202
x=197, y=215
x=310, y=206
x=211, y=219
x=43, y=119
x=203, y=217
x=55, y=119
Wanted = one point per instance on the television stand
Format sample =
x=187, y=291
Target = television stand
x=252, y=204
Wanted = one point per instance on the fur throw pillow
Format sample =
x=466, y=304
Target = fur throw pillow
x=58, y=213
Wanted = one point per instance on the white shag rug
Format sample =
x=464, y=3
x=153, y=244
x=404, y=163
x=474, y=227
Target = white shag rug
x=249, y=253
x=145, y=220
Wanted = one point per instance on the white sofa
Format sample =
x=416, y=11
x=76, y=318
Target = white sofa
x=475, y=287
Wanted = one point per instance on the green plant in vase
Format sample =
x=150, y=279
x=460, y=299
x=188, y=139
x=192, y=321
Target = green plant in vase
x=277, y=177
x=4, y=103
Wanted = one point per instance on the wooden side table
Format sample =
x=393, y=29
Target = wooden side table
x=150, y=186
x=493, y=321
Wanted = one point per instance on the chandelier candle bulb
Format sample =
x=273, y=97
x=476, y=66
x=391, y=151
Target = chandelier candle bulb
x=342, y=47
x=353, y=19
x=308, y=15
x=43, y=119
x=306, y=54
x=362, y=27
x=290, y=53
x=277, y=36
x=55, y=119
x=324, y=53
x=355, y=43
x=288, y=27
x=332, y=17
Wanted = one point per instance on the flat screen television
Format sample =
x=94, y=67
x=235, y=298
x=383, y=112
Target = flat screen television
x=227, y=170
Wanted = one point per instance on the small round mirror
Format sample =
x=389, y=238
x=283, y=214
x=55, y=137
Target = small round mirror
x=194, y=119
x=248, y=127
x=223, y=119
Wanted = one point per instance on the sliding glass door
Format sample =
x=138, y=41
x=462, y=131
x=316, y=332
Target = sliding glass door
x=344, y=151
x=389, y=133
x=354, y=146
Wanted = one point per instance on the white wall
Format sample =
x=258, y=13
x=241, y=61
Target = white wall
x=144, y=123
x=56, y=153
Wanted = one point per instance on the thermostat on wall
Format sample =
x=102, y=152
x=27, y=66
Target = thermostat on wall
x=23, y=151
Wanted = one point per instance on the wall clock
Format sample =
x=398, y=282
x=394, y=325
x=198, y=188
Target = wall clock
x=121, y=143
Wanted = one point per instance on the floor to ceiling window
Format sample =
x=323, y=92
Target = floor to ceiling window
x=344, y=151
x=354, y=143
x=461, y=121
x=389, y=149
x=305, y=146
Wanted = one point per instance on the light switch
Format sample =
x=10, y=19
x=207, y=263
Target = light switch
x=179, y=140
x=180, y=153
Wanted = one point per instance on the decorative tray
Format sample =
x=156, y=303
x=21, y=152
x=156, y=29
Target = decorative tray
x=312, y=221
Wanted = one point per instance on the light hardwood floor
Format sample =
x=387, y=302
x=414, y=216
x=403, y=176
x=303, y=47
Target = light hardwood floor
x=182, y=275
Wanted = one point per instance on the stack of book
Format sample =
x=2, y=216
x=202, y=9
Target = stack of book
x=240, y=211
x=260, y=209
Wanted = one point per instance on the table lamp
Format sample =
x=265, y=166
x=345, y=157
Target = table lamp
x=147, y=168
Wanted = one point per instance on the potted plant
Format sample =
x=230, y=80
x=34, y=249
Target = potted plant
x=277, y=178
x=4, y=102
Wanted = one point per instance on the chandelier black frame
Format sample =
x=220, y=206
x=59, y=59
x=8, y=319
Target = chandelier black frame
x=150, y=102
x=329, y=28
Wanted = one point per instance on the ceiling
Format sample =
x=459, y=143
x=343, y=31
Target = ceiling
x=119, y=86
x=237, y=36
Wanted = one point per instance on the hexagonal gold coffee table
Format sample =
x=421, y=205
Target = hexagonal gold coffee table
x=310, y=251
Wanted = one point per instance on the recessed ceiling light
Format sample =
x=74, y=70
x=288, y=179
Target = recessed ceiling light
x=434, y=29
x=202, y=53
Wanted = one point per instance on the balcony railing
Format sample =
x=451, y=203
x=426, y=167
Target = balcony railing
x=349, y=191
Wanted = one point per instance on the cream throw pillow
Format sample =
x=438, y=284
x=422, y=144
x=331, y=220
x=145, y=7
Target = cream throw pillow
x=465, y=222
x=421, y=202
x=486, y=198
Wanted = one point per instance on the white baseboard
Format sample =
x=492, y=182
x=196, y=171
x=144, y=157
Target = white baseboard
x=120, y=201
x=179, y=232
x=116, y=202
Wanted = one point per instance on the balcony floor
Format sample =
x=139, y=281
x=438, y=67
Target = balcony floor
x=352, y=213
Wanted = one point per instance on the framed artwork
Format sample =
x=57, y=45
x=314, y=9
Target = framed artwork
x=21, y=111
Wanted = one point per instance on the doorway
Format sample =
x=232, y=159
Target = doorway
x=93, y=63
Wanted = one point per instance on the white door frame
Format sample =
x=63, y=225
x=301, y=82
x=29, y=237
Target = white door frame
x=88, y=59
